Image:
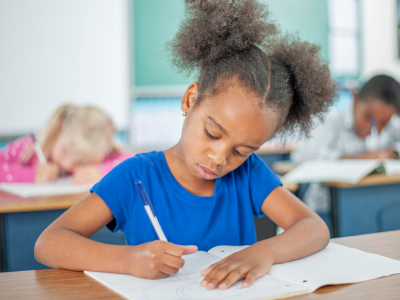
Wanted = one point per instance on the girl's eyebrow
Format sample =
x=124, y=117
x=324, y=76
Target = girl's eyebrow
x=227, y=134
x=219, y=126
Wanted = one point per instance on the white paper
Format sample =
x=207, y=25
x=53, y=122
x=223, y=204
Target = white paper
x=186, y=284
x=344, y=170
x=392, y=166
x=61, y=186
x=336, y=264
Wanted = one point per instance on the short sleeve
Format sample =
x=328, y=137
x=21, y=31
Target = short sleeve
x=117, y=190
x=262, y=182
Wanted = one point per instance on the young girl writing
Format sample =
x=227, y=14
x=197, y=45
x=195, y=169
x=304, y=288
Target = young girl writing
x=76, y=140
x=206, y=189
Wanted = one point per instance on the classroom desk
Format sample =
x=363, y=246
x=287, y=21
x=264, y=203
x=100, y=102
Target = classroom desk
x=372, y=205
x=22, y=220
x=63, y=284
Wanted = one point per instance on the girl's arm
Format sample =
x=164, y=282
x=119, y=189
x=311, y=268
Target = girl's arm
x=305, y=233
x=66, y=244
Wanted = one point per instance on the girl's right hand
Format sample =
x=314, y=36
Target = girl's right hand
x=158, y=259
x=46, y=173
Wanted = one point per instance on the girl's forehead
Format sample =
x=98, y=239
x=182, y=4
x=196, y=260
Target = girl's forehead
x=241, y=114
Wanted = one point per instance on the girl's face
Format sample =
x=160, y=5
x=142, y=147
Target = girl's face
x=220, y=133
x=67, y=159
x=371, y=108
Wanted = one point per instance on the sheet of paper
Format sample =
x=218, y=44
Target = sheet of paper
x=336, y=264
x=186, y=284
x=392, y=166
x=344, y=170
x=61, y=186
x=224, y=251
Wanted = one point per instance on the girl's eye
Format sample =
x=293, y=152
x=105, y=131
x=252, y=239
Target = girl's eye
x=209, y=135
x=238, y=153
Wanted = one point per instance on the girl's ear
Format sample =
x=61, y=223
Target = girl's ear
x=189, y=98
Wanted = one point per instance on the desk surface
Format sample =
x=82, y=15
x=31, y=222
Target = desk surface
x=374, y=179
x=63, y=284
x=11, y=203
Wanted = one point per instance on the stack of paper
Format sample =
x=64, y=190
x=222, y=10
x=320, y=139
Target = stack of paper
x=61, y=186
x=344, y=170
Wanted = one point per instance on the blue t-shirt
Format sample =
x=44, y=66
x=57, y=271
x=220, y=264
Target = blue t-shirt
x=186, y=219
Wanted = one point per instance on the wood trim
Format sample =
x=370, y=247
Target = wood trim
x=370, y=180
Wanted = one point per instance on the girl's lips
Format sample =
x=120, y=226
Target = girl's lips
x=205, y=173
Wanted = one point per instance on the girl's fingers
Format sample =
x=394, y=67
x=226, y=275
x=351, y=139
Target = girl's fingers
x=206, y=271
x=250, y=278
x=217, y=274
x=234, y=276
x=189, y=249
x=174, y=261
x=168, y=270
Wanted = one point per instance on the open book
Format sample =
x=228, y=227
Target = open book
x=335, y=264
x=61, y=186
x=343, y=170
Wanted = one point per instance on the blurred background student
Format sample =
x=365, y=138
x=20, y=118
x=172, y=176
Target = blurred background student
x=77, y=141
x=368, y=129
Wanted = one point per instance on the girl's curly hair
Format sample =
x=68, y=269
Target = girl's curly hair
x=225, y=39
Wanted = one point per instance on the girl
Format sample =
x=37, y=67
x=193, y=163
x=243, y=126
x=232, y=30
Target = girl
x=76, y=140
x=206, y=189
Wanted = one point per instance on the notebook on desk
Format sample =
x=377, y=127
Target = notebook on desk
x=336, y=264
x=343, y=170
x=61, y=186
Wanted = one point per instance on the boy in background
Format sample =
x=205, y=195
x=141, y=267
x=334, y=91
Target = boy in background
x=350, y=134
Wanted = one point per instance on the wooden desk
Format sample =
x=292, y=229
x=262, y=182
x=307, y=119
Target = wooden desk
x=366, y=207
x=63, y=284
x=22, y=220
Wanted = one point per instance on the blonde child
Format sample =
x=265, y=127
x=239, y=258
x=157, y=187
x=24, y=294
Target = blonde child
x=207, y=188
x=75, y=140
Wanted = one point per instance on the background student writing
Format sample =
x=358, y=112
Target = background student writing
x=253, y=84
x=76, y=140
x=346, y=134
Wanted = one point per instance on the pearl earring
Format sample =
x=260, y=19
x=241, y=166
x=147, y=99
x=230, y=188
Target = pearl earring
x=184, y=113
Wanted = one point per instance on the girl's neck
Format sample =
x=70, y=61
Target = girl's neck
x=177, y=166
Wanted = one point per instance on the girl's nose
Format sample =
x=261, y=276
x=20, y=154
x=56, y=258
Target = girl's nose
x=218, y=157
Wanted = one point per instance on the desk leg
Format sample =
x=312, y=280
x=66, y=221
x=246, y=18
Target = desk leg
x=2, y=245
x=334, y=208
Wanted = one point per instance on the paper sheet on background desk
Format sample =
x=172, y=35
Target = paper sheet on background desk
x=61, y=186
x=392, y=166
x=344, y=170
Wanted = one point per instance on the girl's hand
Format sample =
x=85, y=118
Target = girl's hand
x=46, y=173
x=87, y=174
x=158, y=259
x=250, y=263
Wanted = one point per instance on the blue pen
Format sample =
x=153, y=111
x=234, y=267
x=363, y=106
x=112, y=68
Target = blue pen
x=148, y=206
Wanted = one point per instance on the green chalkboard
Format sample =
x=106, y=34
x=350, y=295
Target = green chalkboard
x=156, y=21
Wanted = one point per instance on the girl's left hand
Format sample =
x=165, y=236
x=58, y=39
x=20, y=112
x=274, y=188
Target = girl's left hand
x=250, y=263
x=86, y=174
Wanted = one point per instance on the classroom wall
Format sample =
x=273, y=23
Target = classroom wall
x=54, y=51
x=156, y=22
x=379, y=38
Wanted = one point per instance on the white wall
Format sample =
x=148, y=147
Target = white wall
x=53, y=51
x=378, y=38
